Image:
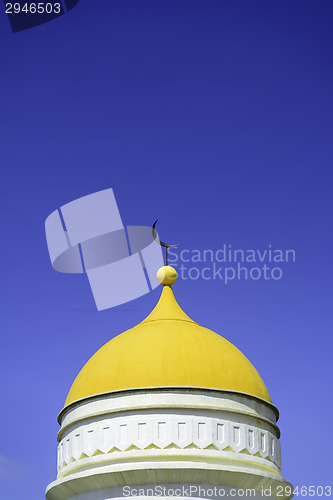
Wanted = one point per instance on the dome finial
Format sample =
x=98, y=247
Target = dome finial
x=166, y=275
x=156, y=238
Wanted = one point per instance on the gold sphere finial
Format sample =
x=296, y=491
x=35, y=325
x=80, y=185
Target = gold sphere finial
x=166, y=275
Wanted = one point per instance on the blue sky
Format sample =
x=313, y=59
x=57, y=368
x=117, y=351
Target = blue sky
x=216, y=118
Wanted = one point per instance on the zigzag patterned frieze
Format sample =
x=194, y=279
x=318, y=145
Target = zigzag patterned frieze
x=130, y=434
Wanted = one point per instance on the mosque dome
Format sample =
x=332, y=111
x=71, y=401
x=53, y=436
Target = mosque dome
x=167, y=350
x=168, y=402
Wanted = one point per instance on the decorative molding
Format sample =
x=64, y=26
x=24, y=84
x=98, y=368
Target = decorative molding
x=223, y=471
x=185, y=398
x=131, y=435
x=166, y=435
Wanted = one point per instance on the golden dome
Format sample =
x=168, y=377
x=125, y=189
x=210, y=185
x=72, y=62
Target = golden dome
x=167, y=349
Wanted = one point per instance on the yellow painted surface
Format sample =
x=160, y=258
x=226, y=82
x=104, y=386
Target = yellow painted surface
x=167, y=349
x=166, y=275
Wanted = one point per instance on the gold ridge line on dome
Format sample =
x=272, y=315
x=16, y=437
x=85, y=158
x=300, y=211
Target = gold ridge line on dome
x=167, y=349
